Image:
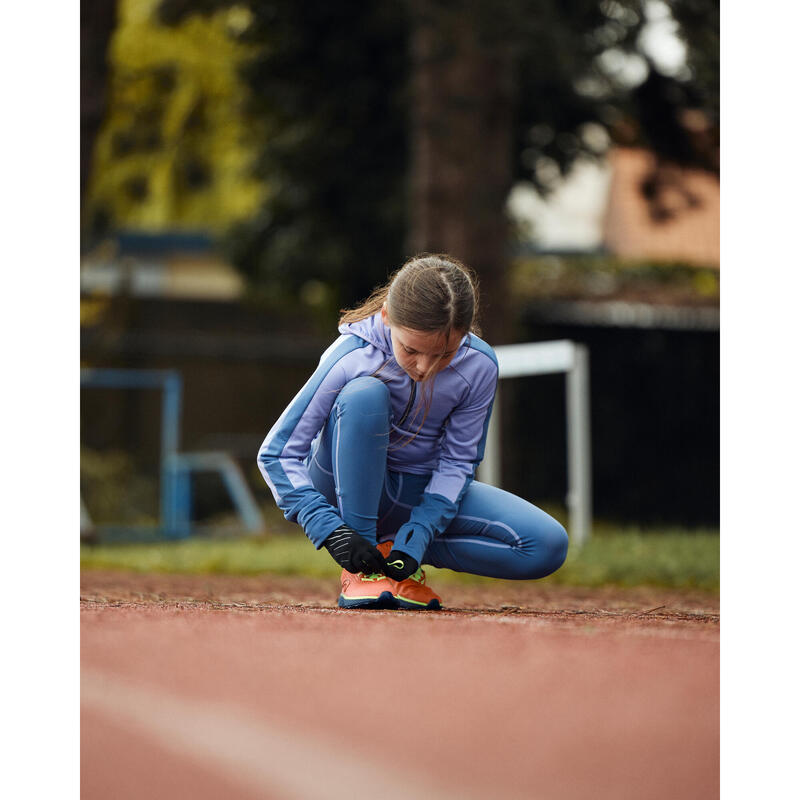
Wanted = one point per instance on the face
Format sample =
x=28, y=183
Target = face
x=422, y=354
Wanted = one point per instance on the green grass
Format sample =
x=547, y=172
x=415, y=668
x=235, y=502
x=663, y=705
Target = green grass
x=672, y=558
x=613, y=556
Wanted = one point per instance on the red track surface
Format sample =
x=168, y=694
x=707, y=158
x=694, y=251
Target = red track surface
x=196, y=692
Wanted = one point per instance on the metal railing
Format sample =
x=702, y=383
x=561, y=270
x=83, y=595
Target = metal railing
x=542, y=358
x=176, y=468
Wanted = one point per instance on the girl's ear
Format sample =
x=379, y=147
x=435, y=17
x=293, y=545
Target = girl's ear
x=385, y=315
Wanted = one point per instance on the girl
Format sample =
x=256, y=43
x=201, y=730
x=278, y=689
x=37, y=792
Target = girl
x=375, y=456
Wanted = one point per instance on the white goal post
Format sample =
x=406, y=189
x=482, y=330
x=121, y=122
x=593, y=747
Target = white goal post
x=541, y=358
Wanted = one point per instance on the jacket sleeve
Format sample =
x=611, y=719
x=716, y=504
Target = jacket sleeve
x=283, y=453
x=462, y=451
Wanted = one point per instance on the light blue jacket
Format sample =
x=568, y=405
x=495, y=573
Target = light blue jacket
x=448, y=445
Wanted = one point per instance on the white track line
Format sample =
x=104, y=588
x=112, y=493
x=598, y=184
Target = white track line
x=263, y=757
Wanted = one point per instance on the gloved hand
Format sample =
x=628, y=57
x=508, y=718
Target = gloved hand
x=353, y=552
x=400, y=566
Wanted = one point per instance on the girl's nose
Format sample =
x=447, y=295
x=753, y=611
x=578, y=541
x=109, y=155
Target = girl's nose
x=424, y=365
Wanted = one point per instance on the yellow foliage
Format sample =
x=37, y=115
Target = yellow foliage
x=174, y=151
x=93, y=309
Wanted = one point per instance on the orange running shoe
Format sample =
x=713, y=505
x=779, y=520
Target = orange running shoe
x=412, y=592
x=367, y=591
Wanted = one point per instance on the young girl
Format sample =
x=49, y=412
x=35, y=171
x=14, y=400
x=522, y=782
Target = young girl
x=375, y=456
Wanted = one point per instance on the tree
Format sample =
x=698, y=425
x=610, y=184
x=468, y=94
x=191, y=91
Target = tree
x=329, y=82
x=494, y=100
x=174, y=150
x=98, y=18
x=381, y=119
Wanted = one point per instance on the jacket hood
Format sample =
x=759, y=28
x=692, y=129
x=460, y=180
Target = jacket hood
x=371, y=330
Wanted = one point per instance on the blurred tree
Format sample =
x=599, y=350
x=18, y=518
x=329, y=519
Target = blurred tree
x=677, y=115
x=502, y=90
x=698, y=22
x=389, y=128
x=174, y=150
x=98, y=19
x=329, y=83
x=464, y=89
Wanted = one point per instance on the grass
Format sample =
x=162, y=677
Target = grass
x=613, y=556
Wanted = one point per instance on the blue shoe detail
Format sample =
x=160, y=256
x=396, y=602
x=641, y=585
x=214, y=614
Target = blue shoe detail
x=384, y=601
x=433, y=605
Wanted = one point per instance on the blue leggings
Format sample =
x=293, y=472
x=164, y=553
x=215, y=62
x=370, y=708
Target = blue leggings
x=494, y=533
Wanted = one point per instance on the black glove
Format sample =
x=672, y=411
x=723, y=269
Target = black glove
x=353, y=552
x=399, y=565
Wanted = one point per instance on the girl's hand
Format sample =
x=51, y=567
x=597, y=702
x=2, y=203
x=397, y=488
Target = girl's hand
x=399, y=566
x=353, y=552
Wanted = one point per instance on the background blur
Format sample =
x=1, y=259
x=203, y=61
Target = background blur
x=248, y=169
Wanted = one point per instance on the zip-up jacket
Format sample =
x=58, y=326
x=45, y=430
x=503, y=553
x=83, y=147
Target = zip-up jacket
x=448, y=444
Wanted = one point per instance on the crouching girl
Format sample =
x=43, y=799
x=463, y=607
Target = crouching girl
x=376, y=455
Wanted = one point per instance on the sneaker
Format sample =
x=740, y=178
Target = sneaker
x=412, y=592
x=367, y=591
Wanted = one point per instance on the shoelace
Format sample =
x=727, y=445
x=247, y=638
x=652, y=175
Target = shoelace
x=418, y=576
x=375, y=576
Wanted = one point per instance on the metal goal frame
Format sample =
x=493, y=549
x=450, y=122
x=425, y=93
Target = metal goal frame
x=543, y=358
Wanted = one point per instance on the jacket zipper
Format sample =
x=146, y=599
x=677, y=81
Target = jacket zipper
x=410, y=404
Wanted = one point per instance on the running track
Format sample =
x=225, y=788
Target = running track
x=275, y=701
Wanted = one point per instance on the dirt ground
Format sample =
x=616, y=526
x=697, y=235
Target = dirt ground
x=220, y=686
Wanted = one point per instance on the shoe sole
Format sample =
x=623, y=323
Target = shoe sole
x=383, y=601
x=433, y=605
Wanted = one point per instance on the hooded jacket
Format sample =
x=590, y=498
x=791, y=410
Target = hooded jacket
x=446, y=443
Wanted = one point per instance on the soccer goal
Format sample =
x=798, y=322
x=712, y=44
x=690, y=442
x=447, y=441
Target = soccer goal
x=542, y=358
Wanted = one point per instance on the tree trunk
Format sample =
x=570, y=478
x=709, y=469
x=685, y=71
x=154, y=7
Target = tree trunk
x=461, y=172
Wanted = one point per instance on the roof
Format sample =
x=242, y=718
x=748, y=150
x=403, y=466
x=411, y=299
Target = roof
x=679, y=222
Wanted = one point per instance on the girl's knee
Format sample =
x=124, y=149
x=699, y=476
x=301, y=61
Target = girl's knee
x=549, y=549
x=364, y=405
x=365, y=392
x=557, y=544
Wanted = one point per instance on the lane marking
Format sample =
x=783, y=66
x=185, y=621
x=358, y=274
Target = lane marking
x=263, y=756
